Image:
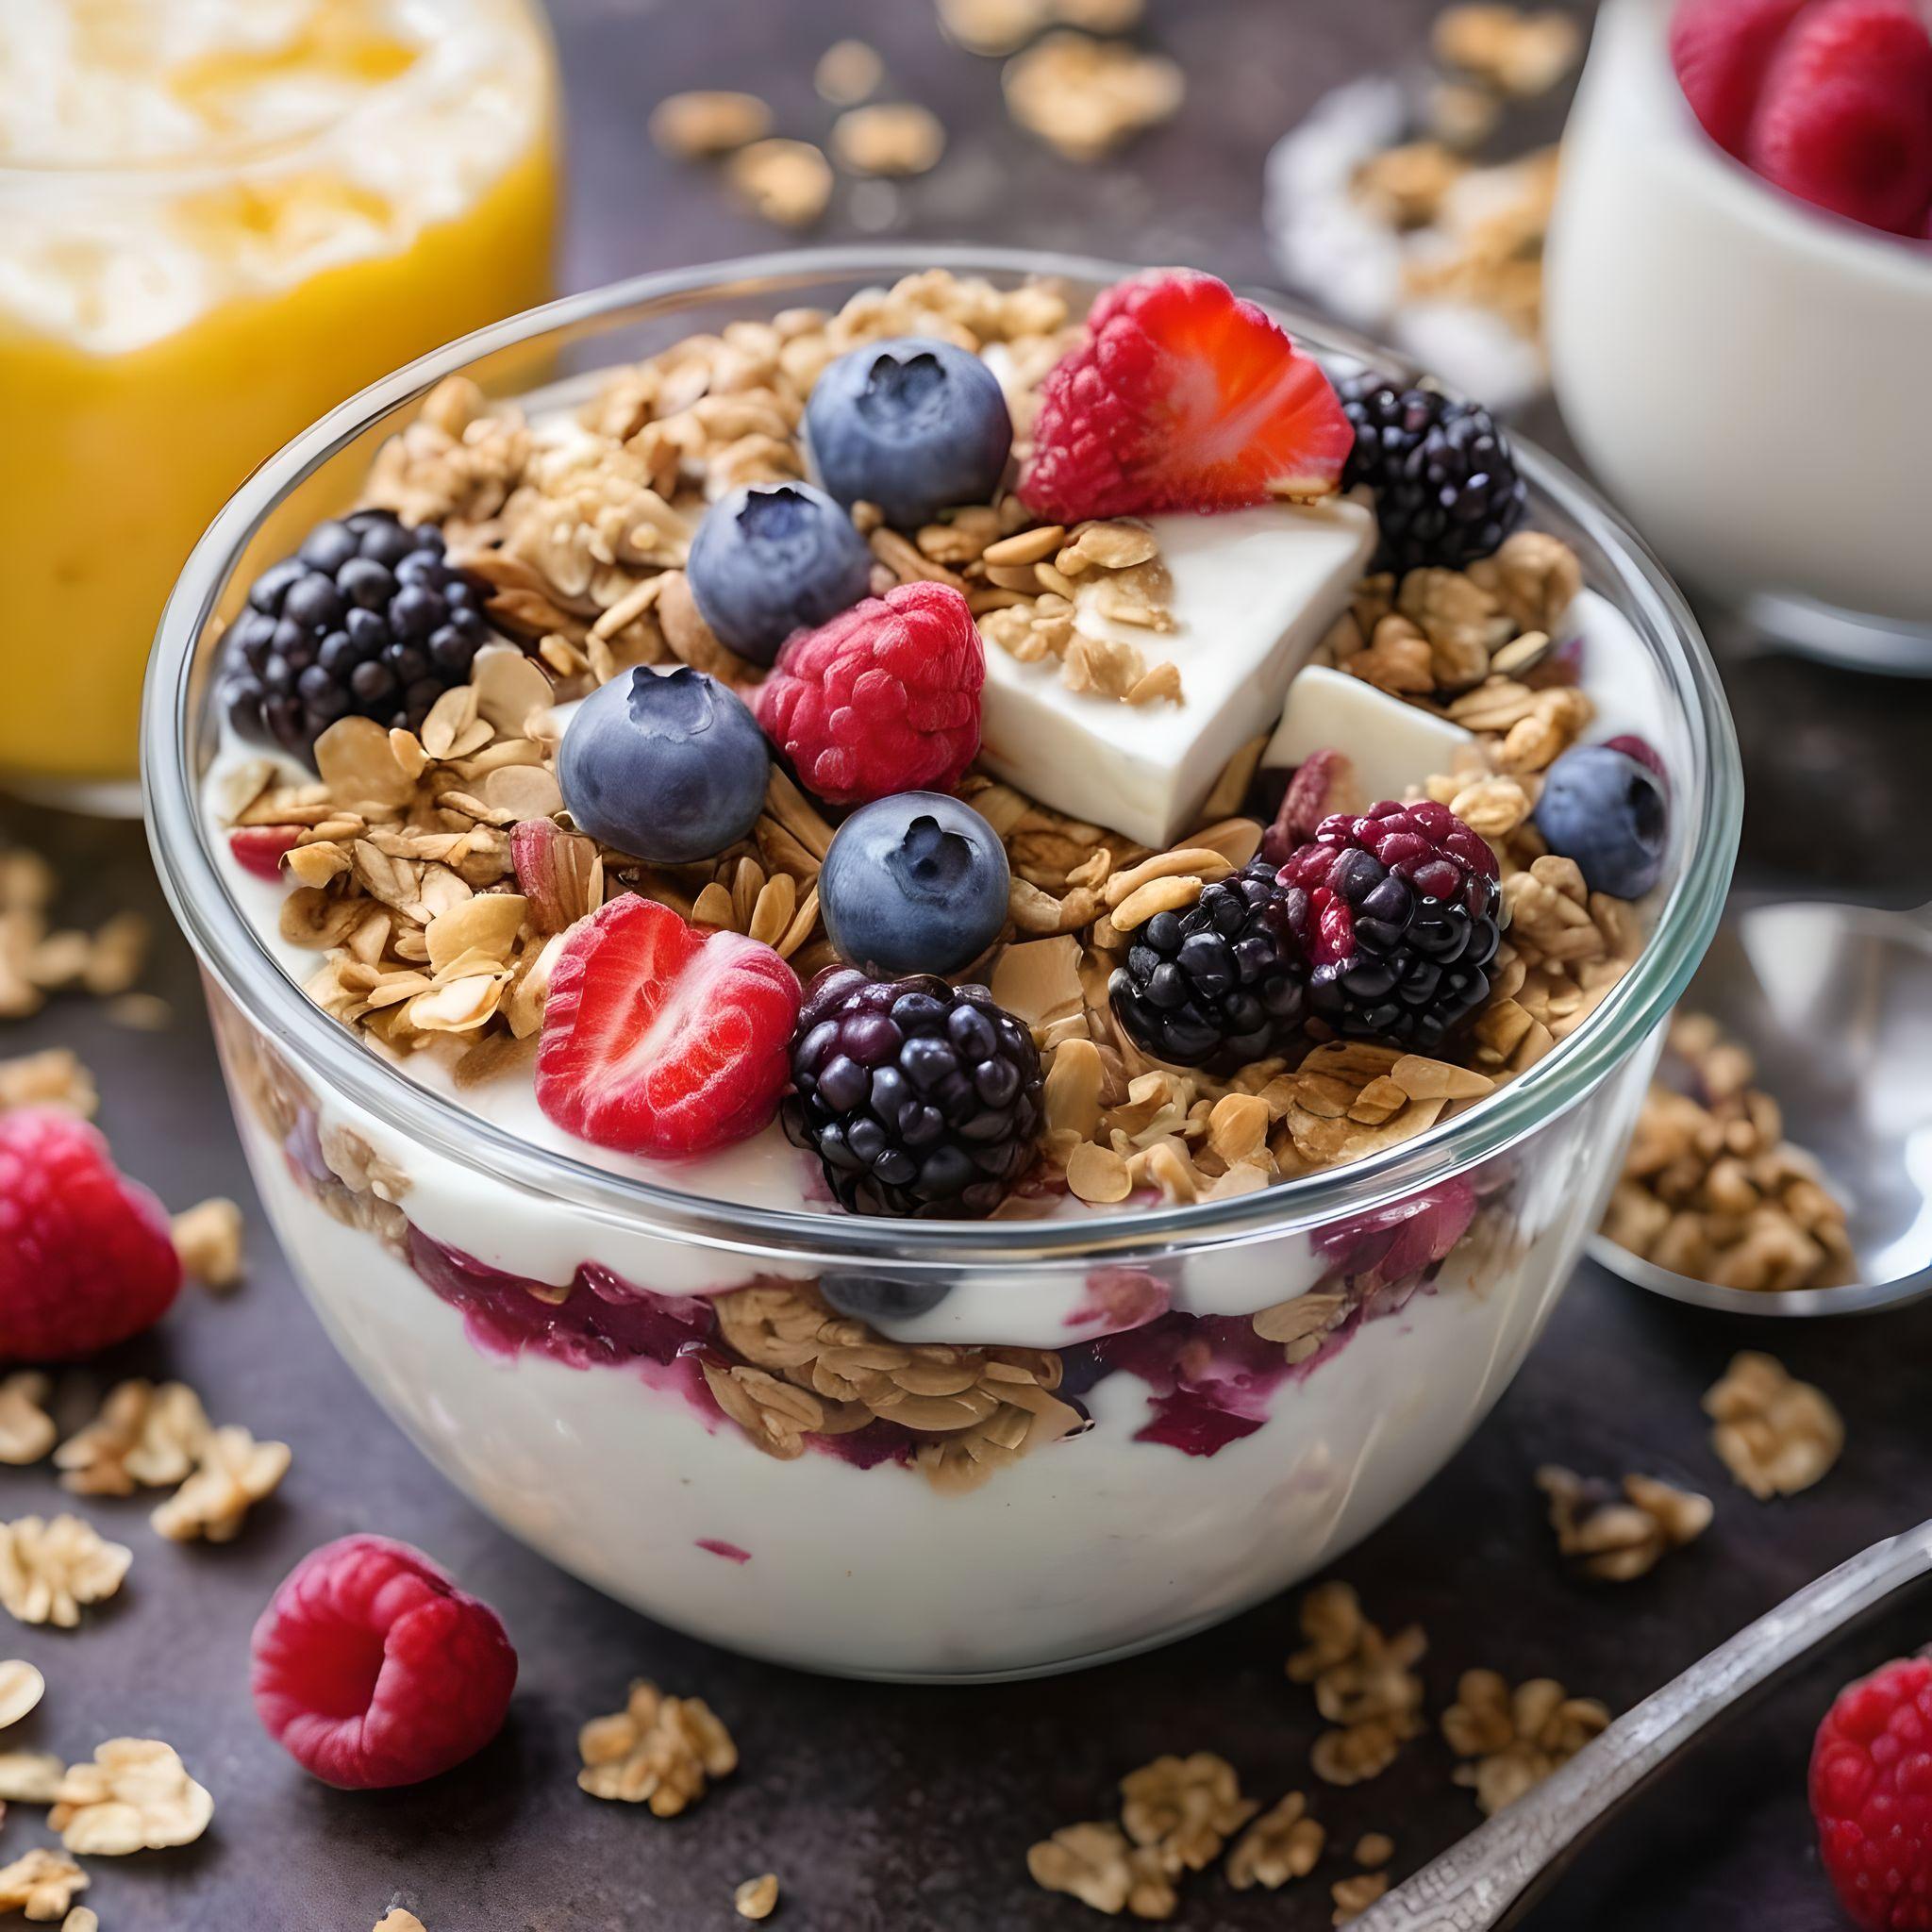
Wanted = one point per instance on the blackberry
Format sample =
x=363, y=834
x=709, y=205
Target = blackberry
x=919, y=1098
x=1395, y=912
x=1446, y=488
x=367, y=620
x=1219, y=985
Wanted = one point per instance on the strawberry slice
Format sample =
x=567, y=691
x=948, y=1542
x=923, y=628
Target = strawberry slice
x=1721, y=50
x=662, y=1039
x=260, y=849
x=1181, y=397
x=1845, y=120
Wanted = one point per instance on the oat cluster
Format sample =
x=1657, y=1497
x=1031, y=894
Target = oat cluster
x=1615, y=1532
x=1774, y=1434
x=1711, y=1187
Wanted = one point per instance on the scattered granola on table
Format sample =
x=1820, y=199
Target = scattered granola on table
x=757, y=1898
x=665, y=1751
x=1616, y=1532
x=1365, y=1685
x=135, y=1796
x=145, y=1436
x=1711, y=1187
x=232, y=1472
x=22, y=1687
x=397, y=1920
x=40, y=1884
x=50, y=1569
x=207, y=1237
x=27, y=1430
x=1512, y=1740
x=1283, y=1843
x=1354, y=1896
x=1774, y=1434
x=39, y=959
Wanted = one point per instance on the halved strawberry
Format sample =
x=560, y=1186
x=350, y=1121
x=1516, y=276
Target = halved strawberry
x=260, y=849
x=1721, y=50
x=1181, y=397
x=1845, y=119
x=662, y=1040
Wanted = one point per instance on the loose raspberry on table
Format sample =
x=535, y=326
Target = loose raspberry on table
x=371, y=1668
x=1182, y=396
x=1871, y=1796
x=884, y=698
x=86, y=1255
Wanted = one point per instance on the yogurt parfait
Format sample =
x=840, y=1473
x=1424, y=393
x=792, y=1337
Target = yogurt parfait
x=938, y=984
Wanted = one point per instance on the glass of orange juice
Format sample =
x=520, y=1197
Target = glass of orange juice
x=217, y=219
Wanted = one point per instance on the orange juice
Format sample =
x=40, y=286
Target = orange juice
x=218, y=219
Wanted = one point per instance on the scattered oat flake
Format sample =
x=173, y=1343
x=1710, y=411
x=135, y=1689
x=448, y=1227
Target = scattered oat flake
x=658, y=1751
x=233, y=1472
x=40, y=1884
x=27, y=1430
x=709, y=122
x=787, y=182
x=757, y=1898
x=208, y=1239
x=22, y=1687
x=31, y=1777
x=135, y=1796
x=1774, y=1434
x=894, y=137
x=49, y=1569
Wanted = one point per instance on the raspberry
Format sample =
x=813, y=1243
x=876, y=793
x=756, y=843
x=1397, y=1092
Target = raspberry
x=1845, y=120
x=260, y=849
x=884, y=698
x=372, y=1668
x=86, y=1257
x=1871, y=1796
x=1395, y=912
x=662, y=1039
x=1721, y=50
x=1181, y=397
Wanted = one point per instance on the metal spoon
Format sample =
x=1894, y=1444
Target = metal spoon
x=1497, y=1872
x=1834, y=1001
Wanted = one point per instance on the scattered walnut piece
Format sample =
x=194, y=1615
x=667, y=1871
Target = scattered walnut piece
x=787, y=182
x=1184, y=1810
x=145, y=1437
x=658, y=1751
x=1617, y=1533
x=395, y=1920
x=1518, y=53
x=847, y=73
x=1094, y=1863
x=135, y=1796
x=1086, y=97
x=22, y=1687
x=40, y=1884
x=207, y=1237
x=53, y=1079
x=1354, y=1896
x=709, y=122
x=1515, y=1739
x=233, y=1471
x=757, y=1898
x=27, y=1430
x=1374, y=1849
x=49, y=1569
x=81, y=1919
x=1775, y=1435
x=1365, y=1685
x=1284, y=1843
x=891, y=138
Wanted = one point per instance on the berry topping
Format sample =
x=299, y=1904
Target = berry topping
x=1395, y=912
x=1721, y=49
x=667, y=766
x=1222, y=984
x=1181, y=397
x=771, y=558
x=260, y=849
x=1871, y=1797
x=913, y=883
x=1445, y=485
x=919, y=1098
x=883, y=699
x=1608, y=811
x=367, y=620
x=662, y=1040
x=1845, y=119
x=372, y=1668
x=913, y=426
x=86, y=1257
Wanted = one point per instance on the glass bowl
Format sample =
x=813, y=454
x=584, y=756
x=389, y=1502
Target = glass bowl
x=1020, y=1446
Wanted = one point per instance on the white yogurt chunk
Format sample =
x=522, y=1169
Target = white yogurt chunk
x=1253, y=592
x=1390, y=745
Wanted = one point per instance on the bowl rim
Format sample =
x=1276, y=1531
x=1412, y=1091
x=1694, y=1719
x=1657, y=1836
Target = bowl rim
x=236, y=959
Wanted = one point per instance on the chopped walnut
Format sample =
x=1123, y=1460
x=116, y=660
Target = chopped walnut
x=1515, y=1739
x=27, y=1430
x=1517, y=52
x=208, y=1239
x=658, y=1751
x=757, y=1898
x=40, y=1884
x=145, y=1437
x=233, y=1472
x=1354, y=1896
x=1184, y=1809
x=705, y=122
x=1365, y=1685
x=22, y=1687
x=53, y=1079
x=49, y=1569
x=1775, y=1435
x=1283, y=1843
x=787, y=182
x=135, y=1796
x=1095, y=1864
x=1615, y=1534
x=1374, y=1849
x=1086, y=97
x=891, y=137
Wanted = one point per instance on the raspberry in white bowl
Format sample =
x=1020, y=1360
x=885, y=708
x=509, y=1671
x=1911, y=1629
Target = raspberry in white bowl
x=915, y=1067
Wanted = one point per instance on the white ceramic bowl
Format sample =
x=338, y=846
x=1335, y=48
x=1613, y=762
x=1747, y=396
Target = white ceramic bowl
x=1740, y=368
x=540, y=1327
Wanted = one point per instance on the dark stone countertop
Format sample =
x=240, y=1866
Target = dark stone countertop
x=912, y=1808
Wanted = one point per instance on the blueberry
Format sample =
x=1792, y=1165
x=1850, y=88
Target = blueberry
x=669, y=767
x=1607, y=813
x=913, y=426
x=772, y=557
x=882, y=1297
x=913, y=883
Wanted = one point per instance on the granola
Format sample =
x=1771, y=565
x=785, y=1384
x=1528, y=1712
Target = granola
x=659, y=1751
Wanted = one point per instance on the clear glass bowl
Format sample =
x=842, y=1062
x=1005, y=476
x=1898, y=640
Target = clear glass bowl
x=1056, y=1440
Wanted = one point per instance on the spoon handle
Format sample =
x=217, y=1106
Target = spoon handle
x=1496, y=1872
